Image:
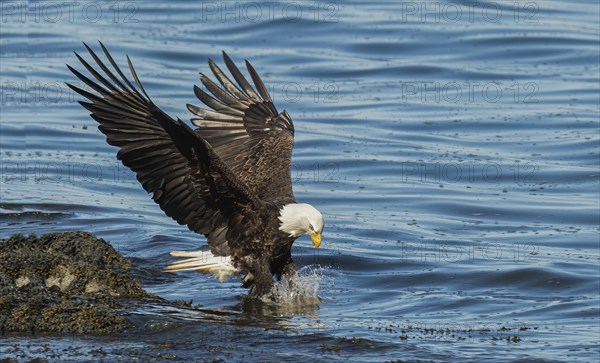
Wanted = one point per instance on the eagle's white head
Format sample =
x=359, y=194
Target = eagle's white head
x=298, y=219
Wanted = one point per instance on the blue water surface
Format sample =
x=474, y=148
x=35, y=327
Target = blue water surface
x=452, y=146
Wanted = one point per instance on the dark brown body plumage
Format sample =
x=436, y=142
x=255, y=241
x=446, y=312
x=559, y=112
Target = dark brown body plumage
x=227, y=179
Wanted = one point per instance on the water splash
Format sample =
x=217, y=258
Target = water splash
x=300, y=289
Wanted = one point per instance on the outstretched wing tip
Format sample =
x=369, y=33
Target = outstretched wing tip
x=237, y=99
x=155, y=146
x=136, y=78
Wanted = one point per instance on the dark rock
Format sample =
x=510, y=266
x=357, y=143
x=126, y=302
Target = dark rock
x=66, y=282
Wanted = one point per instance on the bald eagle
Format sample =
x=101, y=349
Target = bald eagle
x=229, y=179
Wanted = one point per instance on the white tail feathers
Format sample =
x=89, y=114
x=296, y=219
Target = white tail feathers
x=204, y=262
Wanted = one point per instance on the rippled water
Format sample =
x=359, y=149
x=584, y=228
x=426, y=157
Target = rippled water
x=453, y=148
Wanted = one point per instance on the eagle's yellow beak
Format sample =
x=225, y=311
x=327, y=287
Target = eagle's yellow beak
x=316, y=239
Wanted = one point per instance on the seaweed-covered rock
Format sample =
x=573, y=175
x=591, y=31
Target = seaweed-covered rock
x=66, y=282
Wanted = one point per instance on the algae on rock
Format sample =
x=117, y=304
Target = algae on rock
x=64, y=282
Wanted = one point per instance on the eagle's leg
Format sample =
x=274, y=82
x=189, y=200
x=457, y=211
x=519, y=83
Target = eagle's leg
x=288, y=275
x=262, y=285
x=288, y=272
x=262, y=282
x=283, y=266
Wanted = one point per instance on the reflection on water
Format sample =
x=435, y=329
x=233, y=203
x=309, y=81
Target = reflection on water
x=455, y=160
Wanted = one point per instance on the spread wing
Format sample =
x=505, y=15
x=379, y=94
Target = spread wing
x=247, y=131
x=189, y=181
